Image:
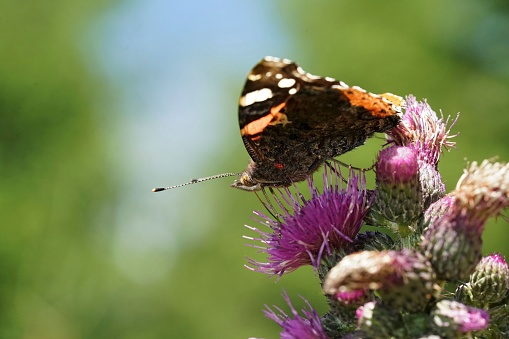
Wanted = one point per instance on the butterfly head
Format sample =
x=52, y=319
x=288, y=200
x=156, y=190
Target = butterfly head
x=245, y=180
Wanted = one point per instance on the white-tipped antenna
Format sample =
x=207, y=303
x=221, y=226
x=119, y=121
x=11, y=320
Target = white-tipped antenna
x=195, y=181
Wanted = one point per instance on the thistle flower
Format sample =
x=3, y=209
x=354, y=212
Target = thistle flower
x=453, y=241
x=315, y=231
x=398, y=282
x=297, y=326
x=421, y=128
x=403, y=279
x=408, y=181
x=483, y=190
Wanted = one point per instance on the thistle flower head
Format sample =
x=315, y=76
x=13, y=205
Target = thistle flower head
x=322, y=226
x=483, y=189
x=295, y=325
x=421, y=128
x=404, y=279
x=452, y=241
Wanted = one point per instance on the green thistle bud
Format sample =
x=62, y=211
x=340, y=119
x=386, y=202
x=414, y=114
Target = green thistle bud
x=397, y=202
x=490, y=280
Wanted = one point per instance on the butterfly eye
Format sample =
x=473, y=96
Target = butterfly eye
x=246, y=180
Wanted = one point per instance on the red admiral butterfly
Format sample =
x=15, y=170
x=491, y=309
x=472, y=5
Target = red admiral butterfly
x=291, y=122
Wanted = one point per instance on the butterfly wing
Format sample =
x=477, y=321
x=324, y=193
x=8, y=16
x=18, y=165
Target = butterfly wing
x=291, y=121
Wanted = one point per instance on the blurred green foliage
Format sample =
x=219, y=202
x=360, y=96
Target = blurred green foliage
x=58, y=278
x=54, y=176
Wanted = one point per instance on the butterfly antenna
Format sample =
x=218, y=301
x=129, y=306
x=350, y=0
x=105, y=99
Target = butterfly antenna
x=195, y=181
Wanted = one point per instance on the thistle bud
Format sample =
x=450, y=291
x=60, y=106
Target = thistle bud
x=398, y=198
x=490, y=280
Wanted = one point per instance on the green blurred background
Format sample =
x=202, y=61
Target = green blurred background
x=103, y=100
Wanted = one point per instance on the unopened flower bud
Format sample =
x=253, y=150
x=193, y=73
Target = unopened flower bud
x=490, y=280
x=398, y=197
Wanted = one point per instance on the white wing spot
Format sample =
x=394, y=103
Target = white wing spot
x=292, y=91
x=279, y=76
x=272, y=59
x=286, y=82
x=329, y=79
x=311, y=76
x=341, y=86
x=268, y=74
x=255, y=96
x=254, y=77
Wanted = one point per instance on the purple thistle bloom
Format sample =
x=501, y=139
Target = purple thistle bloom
x=323, y=226
x=308, y=326
x=421, y=128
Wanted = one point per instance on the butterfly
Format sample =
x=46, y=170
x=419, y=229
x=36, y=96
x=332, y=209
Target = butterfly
x=291, y=122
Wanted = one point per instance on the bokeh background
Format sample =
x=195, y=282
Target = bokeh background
x=102, y=100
